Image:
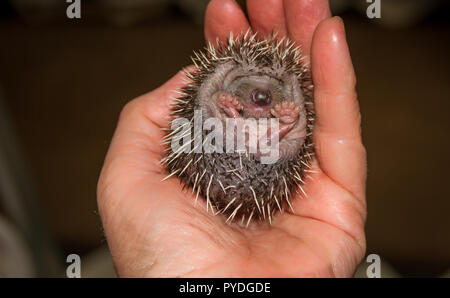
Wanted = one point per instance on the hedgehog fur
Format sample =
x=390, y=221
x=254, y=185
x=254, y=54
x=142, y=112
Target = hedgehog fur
x=245, y=77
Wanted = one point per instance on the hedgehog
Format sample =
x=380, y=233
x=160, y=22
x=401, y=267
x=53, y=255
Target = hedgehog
x=242, y=83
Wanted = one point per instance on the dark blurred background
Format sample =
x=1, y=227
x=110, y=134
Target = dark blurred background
x=64, y=81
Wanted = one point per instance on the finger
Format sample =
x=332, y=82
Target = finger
x=136, y=146
x=337, y=132
x=223, y=17
x=129, y=192
x=132, y=163
x=267, y=16
x=302, y=18
x=156, y=105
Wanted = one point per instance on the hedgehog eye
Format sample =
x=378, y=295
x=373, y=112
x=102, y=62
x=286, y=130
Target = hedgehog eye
x=261, y=97
x=261, y=90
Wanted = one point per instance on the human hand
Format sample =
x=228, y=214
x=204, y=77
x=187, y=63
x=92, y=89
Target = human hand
x=154, y=228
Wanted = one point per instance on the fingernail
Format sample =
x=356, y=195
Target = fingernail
x=341, y=22
x=339, y=18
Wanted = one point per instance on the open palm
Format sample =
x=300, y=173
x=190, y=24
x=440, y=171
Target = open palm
x=154, y=228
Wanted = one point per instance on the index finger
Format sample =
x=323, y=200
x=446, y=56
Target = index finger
x=302, y=18
x=223, y=17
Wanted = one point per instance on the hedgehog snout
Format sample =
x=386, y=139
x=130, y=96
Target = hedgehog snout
x=261, y=97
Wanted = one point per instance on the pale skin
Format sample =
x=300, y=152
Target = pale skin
x=153, y=227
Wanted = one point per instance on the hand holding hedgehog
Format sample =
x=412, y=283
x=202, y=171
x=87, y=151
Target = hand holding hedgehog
x=156, y=228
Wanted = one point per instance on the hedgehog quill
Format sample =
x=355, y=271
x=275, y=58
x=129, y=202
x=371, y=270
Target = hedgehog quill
x=245, y=82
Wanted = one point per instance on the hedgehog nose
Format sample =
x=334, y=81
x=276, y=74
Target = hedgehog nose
x=261, y=97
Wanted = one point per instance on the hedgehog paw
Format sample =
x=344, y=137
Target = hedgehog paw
x=230, y=104
x=287, y=112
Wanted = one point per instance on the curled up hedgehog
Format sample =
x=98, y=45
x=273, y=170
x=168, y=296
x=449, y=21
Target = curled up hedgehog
x=241, y=133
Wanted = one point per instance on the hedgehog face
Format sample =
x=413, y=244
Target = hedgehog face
x=252, y=92
x=257, y=95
